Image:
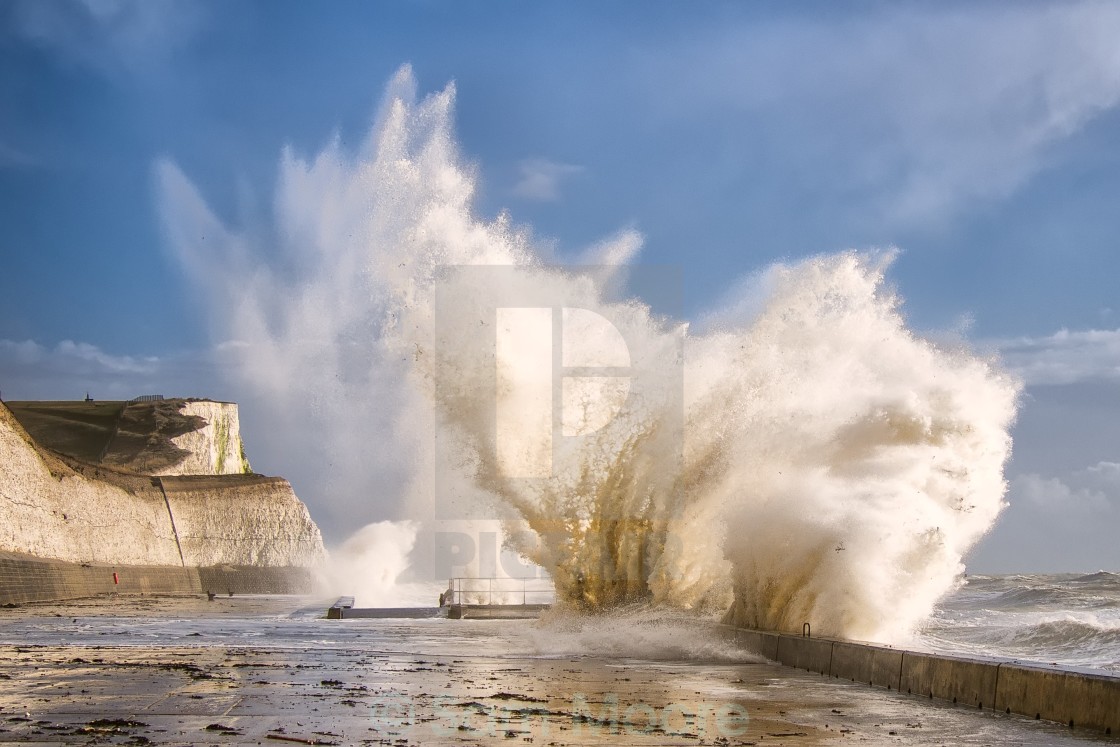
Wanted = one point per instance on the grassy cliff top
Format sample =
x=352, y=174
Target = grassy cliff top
x=131, y=435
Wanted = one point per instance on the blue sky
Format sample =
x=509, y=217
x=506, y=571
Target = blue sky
x=983, y=140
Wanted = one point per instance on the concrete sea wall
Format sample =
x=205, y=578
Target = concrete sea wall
x=24, y=578
x=1081, y=699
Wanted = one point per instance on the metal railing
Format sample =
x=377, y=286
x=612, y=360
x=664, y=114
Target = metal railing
x=497, y=591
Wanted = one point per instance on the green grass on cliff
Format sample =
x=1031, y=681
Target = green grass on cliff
x=82, y=430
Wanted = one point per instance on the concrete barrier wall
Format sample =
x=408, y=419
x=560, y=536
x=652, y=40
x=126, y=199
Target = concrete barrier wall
x=966, y=681
x=1081, y=699
x=254, y=580
x=764, y=644
x=810, y=654
x=880, y=667
x=29, y=579
x=1078, y=699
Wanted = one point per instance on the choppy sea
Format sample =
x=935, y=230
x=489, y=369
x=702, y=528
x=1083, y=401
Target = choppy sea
x=1067, y=619
x=1071, y=619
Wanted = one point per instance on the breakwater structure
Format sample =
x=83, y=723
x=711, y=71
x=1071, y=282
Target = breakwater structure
x=497, y=598
x=478, y=598
x=1082, y=699
x=151, y=496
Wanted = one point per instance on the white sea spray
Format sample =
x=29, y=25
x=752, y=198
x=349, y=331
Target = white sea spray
x=820, y=462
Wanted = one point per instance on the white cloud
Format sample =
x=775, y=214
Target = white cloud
x=30, y=370
x=1105, y=473
x=1064, y=357
x=922, y=109
x=71, y=351
x=109, y=35
x=23, y=353
x=232, y=345
x=1056, y=523
x=1053, y=494
x=540, y=179
x=70, y=355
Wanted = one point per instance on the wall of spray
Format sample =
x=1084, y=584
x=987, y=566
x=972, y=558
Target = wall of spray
x=811, y=460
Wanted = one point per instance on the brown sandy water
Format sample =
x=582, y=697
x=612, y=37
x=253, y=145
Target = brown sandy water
x=268, y=670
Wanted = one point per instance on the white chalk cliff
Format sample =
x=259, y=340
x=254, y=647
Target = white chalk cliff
x=213, y=449
x=57, y=507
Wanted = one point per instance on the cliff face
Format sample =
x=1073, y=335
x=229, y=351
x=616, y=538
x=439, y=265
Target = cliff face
x=272, y=526
x=47, y=508
x=213, y=449
x=60, y=508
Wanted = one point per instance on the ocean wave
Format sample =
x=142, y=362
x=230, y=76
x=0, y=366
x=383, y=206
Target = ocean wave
x=1071, y=633
x=1099, y=590
x=1101, y=577
x=1071, y=619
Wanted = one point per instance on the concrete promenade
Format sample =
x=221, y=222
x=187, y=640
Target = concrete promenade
x=273, y=670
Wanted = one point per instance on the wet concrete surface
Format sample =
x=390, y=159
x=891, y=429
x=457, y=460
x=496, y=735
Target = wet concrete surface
x=268, y=670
